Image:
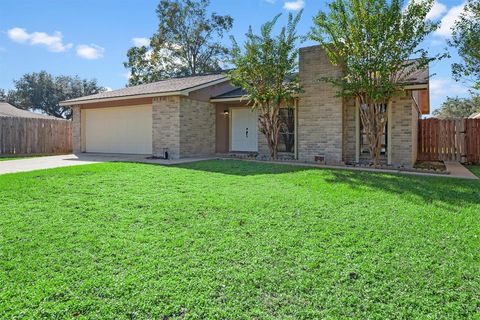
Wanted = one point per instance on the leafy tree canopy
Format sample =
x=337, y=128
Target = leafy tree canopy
x=43, y=92
x=373, y=41
x=466, y=38
x=186, y=43
x=266, y=69
x=456, y=108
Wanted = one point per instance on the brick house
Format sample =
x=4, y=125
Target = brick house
x=206, y=115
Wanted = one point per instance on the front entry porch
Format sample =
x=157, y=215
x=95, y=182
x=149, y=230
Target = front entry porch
x=238, y=135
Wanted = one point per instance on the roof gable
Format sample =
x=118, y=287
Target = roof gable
x=174, y=86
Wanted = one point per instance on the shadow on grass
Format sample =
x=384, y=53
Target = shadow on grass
x=429, y=189
x=448, y=190
x=240, y=168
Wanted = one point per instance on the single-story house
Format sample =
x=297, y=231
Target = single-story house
x=9, y=111
x=206, y=115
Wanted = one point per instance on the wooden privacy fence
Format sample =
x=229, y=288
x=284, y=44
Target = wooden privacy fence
x=35, y=136
x=449, y=140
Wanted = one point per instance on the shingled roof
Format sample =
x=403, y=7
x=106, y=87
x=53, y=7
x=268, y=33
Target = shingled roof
x=7, y=110
x=173, y=86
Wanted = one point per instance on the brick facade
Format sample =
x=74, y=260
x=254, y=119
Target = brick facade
x=166, y=126
x=76, y=129
x=320, y=114
x=197, y=128
x=404, y=131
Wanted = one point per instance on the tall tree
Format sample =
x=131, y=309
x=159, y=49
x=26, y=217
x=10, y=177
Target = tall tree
x=373, y=41
x=466, y=38
x=186, y=43
x=43, y=92
x=266, y=70
x=456, y=108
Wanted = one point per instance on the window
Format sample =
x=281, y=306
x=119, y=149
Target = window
x=287, y=132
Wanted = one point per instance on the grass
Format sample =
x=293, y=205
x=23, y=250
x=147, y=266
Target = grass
x=475, y=170
x=19, y=157
x=237, y=240
x=11, y=158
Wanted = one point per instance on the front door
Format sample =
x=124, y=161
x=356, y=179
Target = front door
x=244, y=130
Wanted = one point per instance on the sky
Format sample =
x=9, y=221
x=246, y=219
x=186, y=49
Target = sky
x=90, y=38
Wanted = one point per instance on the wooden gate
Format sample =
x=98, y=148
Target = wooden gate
x=449, y=140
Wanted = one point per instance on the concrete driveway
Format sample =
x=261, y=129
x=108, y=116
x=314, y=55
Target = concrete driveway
x=38, y=163
x=49, y=162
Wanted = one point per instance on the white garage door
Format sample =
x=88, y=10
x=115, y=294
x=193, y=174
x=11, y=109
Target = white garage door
x=119, y=130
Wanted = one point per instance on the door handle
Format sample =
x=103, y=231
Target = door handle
x=246, y=132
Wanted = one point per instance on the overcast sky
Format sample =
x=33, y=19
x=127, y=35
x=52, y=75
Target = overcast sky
x=90, y=38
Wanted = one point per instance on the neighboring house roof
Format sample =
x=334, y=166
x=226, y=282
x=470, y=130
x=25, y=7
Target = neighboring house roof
x=7, y=110
x=475, y=116
x=175, y=86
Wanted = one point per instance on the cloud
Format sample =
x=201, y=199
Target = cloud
x=53, y=42
x=442, y=86
x=90, y=52
x=448, y=21
x=294, y=5
x=140, y=42
x=438, y=9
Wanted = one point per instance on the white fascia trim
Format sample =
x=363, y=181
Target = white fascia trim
x=148, y=95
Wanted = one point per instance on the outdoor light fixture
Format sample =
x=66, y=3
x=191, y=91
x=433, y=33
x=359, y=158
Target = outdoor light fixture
x=225, y=112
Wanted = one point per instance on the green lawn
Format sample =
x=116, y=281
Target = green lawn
x=475, y=170
x=19, y=157
x=10, y=158
x=237, y=240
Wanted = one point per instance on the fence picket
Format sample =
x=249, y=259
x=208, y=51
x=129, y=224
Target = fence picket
x=35, y=136
x=446, y=140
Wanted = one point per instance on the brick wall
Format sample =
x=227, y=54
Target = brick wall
x=349, y=131
x=166, y=126
x=197, y=128
x=76, y=129
x=404, y=132
x=320, y=112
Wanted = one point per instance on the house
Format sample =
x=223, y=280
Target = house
x=7, y=110
x=206, y=115
x=475, y=116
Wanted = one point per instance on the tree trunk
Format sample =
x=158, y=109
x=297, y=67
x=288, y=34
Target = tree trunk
x=270, y=126
x=374, y=118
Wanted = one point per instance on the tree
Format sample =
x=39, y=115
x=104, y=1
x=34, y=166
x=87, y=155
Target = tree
x=266, y=70
x=186, y=43
x=43, y=92
x=466, y=38
x=373, y=41
x=456, y=108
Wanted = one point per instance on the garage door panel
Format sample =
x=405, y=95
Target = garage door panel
x=119, y=130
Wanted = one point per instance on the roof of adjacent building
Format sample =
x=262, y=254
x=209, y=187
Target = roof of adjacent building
x=475, y=116
x=7, y=110
x=172, y=86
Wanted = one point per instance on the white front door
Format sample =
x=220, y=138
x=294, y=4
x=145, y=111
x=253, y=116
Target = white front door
x=244, y=130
